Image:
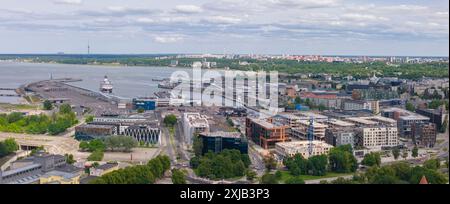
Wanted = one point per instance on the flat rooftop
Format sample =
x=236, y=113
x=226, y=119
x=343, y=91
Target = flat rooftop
x=312, y=114
x=362, y=121
x=222, y=134
x=315, y=125
x=381, y=119
x=302, y=144
x=340, y=123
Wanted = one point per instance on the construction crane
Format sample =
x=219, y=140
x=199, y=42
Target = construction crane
x=311, y=136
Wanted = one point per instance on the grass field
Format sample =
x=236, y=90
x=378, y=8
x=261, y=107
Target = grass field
x=8, y=106
x=286, y=176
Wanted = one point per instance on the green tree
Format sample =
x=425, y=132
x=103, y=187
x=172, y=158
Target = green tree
x=396, y=153
x=97, y=155
x=84, y=145
x=410, y=107
x=433, y=164
x=8, y=146
x=318, y=165
x=69, y=159
x=120, y=142
x=47, y=105
x=89, y=118
x=140, y=110
x=170, y=120
x=251, y=175
x=270, y=163
x=433, y=176
x=372, y=159
x=197, y=145
x=415, y=152
x=296, y=165
x=342, y=160
x=405, y=154
x=295, y=180
x=268, y=178
x=65, y=109
x=95, y=145
x=178, y=177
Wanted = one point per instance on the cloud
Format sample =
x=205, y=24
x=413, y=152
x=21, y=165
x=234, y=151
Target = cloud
x=168, y=39
x=188, y=9
x=303, y=4
x=118, y=11
x=363, y=17
x=223, y=20
x=69, y=2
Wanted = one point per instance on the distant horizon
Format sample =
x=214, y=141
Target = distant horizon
x=168, y=54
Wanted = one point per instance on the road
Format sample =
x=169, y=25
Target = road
x=167, y=142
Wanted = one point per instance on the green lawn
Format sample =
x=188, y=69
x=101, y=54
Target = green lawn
x=286, y=175
x=7, y=106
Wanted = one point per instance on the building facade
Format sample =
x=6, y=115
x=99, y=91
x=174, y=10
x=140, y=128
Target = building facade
x=424, y=134
x=265, y=133
x=144, y=133
x=290, y=149
x=218, y=141
x=194, y=123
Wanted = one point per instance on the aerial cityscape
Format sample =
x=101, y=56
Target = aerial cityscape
x=224, y=92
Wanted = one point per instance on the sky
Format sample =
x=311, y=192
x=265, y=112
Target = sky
x=304, y=27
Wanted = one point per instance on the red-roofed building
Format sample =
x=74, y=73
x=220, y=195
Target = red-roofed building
x=329, y=100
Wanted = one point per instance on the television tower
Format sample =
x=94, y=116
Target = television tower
x=311, y=136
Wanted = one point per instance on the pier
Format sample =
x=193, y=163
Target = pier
x=96, y=102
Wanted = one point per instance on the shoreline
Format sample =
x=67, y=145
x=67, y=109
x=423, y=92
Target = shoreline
x=118, y=66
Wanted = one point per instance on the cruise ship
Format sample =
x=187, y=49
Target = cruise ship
x=106, y=86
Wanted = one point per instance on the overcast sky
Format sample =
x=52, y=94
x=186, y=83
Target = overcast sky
x=334, y=27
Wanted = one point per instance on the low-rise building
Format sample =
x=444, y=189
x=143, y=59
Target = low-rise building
x=30, y=170
x=60, y=177
x=91, y=131
x=144, y=133
x=290, y=149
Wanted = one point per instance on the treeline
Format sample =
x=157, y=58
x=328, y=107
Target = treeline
x=8, y=146
x=224, y=165
x=39, y=124
x=339, y=160
x=399, y=173
x=111, y=143
x=357, y=70
x=140, y=174
x=97, y=147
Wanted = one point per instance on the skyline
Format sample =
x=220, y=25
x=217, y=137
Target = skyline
x=302, y=27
